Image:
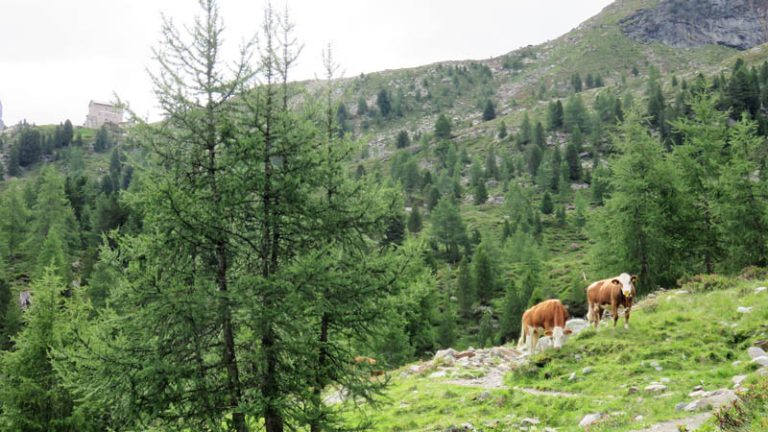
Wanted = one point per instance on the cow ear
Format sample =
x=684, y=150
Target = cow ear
x=616, y=282
x=633, y=279
x=568, y=331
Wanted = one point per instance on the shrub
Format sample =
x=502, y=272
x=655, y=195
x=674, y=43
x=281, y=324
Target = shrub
x=705, y=283
x=754, y=273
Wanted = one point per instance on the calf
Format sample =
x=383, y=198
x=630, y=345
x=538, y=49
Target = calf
x=547, y=317
x=617, y=291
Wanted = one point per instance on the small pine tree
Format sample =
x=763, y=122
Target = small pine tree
x=560, y=216
x=443, y=127
x=414, y=221
x=485, y=334
x=480, y=193
x=547, y=207
x=502, y=133
x=403, y=139
x=362, y=106
x=506, y=231
x=465, y=290
x=511, y=313
x=446, y=329
x=383, y=101
x=483, y=275
x=489, y=112
x=573, y=161
x=539, y=138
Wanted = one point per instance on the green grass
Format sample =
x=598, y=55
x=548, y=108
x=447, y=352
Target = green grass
x=694, y=338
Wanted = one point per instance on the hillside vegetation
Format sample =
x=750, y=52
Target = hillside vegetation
x=224, y=268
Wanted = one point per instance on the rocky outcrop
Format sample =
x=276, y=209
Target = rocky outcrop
x=740, y=24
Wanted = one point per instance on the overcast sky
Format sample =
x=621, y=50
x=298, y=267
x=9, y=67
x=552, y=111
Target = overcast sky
x=55, y=56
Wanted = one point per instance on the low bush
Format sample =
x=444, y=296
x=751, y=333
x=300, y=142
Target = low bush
x=705, y=283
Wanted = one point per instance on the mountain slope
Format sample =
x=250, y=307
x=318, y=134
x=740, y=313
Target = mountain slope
x=679, y=342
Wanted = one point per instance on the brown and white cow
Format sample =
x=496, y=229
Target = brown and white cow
x=547, y=317
x=617, y=291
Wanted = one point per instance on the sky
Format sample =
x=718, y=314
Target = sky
x=56, y=56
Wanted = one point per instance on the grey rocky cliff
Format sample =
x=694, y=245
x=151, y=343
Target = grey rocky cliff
x=740, y=24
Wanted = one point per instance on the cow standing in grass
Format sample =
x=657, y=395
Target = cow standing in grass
x=547, y=317
x=617, y=291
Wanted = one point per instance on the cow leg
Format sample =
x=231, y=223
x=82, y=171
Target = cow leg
x=626, y=317
x=533, y=339
x=598, y=315
x=615, y=313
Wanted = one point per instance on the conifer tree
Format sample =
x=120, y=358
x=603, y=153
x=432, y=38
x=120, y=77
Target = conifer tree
x=637, y=227
x=547, y=207
x=502, y=132
x=33, y=396
x=402, y=140
x=511, y=314
x=483, y=275
x=448, y=229
x=443, y=127
x=539, y=137
x=414, y=221
x=524, y=135
x=489, y=111
x=465, y=292
x=739, y=209
x=485, y=332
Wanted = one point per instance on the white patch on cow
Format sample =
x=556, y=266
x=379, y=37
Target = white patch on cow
x=626, y=284
x=558, y=337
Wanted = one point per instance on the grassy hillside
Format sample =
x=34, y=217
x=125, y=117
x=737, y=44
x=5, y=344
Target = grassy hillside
x=678, y=339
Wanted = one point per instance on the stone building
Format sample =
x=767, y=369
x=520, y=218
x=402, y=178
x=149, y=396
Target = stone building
x=100, y=113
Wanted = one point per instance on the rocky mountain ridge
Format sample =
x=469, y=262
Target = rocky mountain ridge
x=739, y=24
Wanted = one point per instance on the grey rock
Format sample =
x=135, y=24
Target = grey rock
x=576, y=325
x=655, y=388
x=738, y=379
x=762, y=360
x=712, y=400
x=450, y=352
x=744, y=309
x=587, y=370
x=699, y=387
x=530, y=421
x=732, y=23
x=483, y=396
x=760, y=289
x=438, y=374
x=755, y=352
x=680, y=406
x=589, y=419
x=572, y=376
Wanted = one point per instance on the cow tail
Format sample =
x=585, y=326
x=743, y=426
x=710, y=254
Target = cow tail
x=521, y=341
x=589, y=313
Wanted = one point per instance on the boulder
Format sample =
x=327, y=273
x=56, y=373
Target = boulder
x=449, y=352
x=655, y=388
x=755, y=352
x=744, y=309
x=714, y=399
x=760, y=289
x=589, y=420
x=576, y=325
x=762, y=360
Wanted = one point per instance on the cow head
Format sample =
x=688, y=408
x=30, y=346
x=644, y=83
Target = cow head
x=559, y=335
x=626, y=283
